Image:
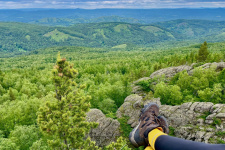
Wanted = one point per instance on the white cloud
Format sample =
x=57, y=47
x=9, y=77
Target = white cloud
x=39, y=2
x=92, y=4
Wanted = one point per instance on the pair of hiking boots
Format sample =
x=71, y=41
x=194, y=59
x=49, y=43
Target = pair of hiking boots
x=148, y=121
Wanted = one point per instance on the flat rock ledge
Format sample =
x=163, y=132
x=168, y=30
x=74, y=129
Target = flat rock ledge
x=171, y=71
x=198, y=121
x=106, y=132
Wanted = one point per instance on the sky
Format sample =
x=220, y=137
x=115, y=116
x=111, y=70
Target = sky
x=96, y=4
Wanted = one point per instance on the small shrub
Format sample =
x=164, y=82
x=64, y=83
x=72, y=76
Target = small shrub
x=204, y=115
x=219, y=141
x=125, y=128
x=220, y=133
x=145, y=84
x=172, y=129
x=216, y=121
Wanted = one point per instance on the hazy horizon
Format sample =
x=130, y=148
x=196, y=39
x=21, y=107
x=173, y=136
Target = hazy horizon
x=105, y=4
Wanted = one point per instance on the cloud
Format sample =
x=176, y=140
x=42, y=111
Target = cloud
x=92, y=4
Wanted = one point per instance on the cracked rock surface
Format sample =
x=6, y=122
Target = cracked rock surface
x=107, y=130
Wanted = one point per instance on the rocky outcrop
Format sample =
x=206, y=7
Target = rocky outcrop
x=198, y=121
x=107, y=130
x=171, y=71
x=219, y=66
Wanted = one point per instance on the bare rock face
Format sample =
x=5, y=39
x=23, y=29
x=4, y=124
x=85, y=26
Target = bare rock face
x=198, y=121
x=131, y=107
x=219, y=66
x=107, y=130
x=171, y=71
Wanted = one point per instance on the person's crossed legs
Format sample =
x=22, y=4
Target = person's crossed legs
x=152, y=131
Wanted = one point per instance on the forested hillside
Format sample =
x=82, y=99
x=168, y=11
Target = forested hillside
x=20, y=37
x=26, y=83
x=189, y=29
x=26, y=37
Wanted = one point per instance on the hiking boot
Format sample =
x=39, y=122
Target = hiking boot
x=147, y=122
x=163, y=124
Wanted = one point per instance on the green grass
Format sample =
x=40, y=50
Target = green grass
x=204, y=115
x=57, y=36
x=125, y=128
x=220, y=133
x=151, y=29
x=216, y=121
x=171, y=131
x=121, y=27
x=120, y=46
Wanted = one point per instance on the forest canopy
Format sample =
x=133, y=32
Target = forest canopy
x=26, y=84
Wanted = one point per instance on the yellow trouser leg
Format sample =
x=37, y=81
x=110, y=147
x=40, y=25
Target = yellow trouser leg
x=152, y=136
x=149, y=148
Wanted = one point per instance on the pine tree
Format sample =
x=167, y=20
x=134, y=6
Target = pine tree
x=63, y=118
x=203, y=52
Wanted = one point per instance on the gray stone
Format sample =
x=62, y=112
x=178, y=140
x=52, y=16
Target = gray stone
x=153, y=100
x=136, y=89
x=210, y=117
x=107, y=130
x=133, y=98
x=170, y=72
x=209, y=122
x=217, y=108
x=203, y=107
x=141, y=79
x=186, y=106
x=220, y=115
x=207, y=136
x=218, y=66
x=193, y=106
x=200, y=122
x=138, y=104
x=199, y=136
x=210, y=130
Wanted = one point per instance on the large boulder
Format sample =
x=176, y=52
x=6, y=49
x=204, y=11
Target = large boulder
x=107, y=130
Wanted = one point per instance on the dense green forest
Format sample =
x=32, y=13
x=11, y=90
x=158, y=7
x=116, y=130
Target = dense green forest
x=20, y=38
x=28, y=84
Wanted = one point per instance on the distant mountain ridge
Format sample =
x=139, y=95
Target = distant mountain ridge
x=189, y=29
x=67, y=17
x=22, y=37
x=69, y=22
